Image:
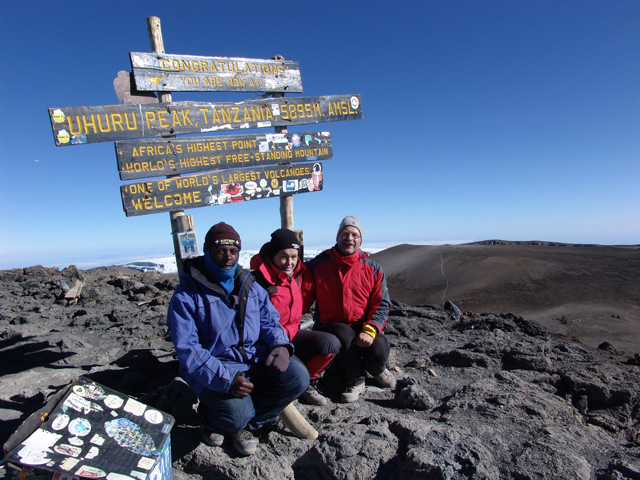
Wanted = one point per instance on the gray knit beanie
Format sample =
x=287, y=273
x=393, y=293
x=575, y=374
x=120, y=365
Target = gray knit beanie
x=350, y=221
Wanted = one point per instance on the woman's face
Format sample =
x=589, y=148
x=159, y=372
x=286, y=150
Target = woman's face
x=286, y=260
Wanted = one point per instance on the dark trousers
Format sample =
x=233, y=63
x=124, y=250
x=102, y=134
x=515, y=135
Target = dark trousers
x=353, y=360
x=223, y=413
x=316, y=349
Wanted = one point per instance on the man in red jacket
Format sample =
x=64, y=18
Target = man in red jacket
x=352, y=303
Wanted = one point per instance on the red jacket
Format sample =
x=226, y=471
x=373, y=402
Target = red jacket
x=284, y=292
x=349, y=289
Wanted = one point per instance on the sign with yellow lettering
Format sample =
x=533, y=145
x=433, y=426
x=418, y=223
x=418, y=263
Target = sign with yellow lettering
x=220, y=187
x=155, y=158
x=187, y=73
x=79, y=125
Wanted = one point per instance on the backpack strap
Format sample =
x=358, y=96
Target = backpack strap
x=243, y=295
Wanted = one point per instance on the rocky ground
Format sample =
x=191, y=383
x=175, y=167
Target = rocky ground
x=489, y=396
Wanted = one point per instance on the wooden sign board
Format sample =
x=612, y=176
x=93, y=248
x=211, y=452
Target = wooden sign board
x=187, y=73
x=155, y=158
x=80, y=125
x=220, y=187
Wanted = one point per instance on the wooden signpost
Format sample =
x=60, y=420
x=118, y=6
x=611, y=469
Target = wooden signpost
x=174, y=73
x=220, y=187
x=153, y=158
x=80, y=125
x=209, y=170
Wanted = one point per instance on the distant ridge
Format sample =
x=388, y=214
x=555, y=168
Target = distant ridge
x=546, y=244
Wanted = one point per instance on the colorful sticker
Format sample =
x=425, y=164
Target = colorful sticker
x=274, y=183
x=307, y=139
x=289, y=186
x=167, y=428
x=60, y=422
x=77, y=403
x=94, y=392
x=295, y=139
x=79, y=427
x=80, y=390
x=92, y=453
x=79, y=139
x=146, y=463
x=113, y=401
x=263, y=147
x=68, y=450
x=58, y=116
x=33, y=456
x=127, y=435
x=263, y=182
x=355, y=103
x=63, y=136
x=90, y=472
x=153, y=416
x=69, y=463
x=118, y=476
x=277, y=138
x=134, y=407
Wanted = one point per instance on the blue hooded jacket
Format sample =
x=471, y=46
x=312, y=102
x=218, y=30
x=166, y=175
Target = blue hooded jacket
x=204, y=327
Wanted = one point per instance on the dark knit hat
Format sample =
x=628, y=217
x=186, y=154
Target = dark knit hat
x=281, y=239
x=222, y=234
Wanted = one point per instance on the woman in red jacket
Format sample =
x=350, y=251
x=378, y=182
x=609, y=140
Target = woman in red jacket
x=278, y=269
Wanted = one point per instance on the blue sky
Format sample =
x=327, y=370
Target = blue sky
x=499, y=119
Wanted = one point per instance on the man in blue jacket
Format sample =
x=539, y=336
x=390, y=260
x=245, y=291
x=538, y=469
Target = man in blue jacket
x=231, y=348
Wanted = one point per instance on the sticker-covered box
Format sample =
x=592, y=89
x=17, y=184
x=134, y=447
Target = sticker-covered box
x=90, y=431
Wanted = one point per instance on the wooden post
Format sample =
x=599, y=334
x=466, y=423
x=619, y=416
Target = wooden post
x=286, y=201
x=179, y=221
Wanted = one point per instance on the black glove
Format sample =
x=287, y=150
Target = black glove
x=278, y=360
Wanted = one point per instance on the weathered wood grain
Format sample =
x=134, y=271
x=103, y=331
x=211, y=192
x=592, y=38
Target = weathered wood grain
x=189, y=73
x=154, y=158
x=80, y=125
x=220, y=187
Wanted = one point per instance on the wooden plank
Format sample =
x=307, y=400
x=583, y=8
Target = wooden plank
x=80, y=125
x=155, y=158
x=220, y=187
x=74, y=292
x=189, y=73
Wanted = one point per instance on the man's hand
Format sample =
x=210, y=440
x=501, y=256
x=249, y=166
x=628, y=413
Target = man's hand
x=278, y=360
x=363, y=340
x=240, y=387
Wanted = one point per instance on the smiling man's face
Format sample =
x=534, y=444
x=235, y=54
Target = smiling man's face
x=349, y=240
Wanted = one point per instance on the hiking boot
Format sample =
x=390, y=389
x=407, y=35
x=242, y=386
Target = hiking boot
x=210, y=438
x=386, y=379
x=353, y=391
x=244, y=442
x=311, y=396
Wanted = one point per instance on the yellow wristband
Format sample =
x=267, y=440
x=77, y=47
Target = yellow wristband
x=370, y=330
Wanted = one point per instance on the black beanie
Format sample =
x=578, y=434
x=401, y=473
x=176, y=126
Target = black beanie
x=222, y=234
x=281, y=239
